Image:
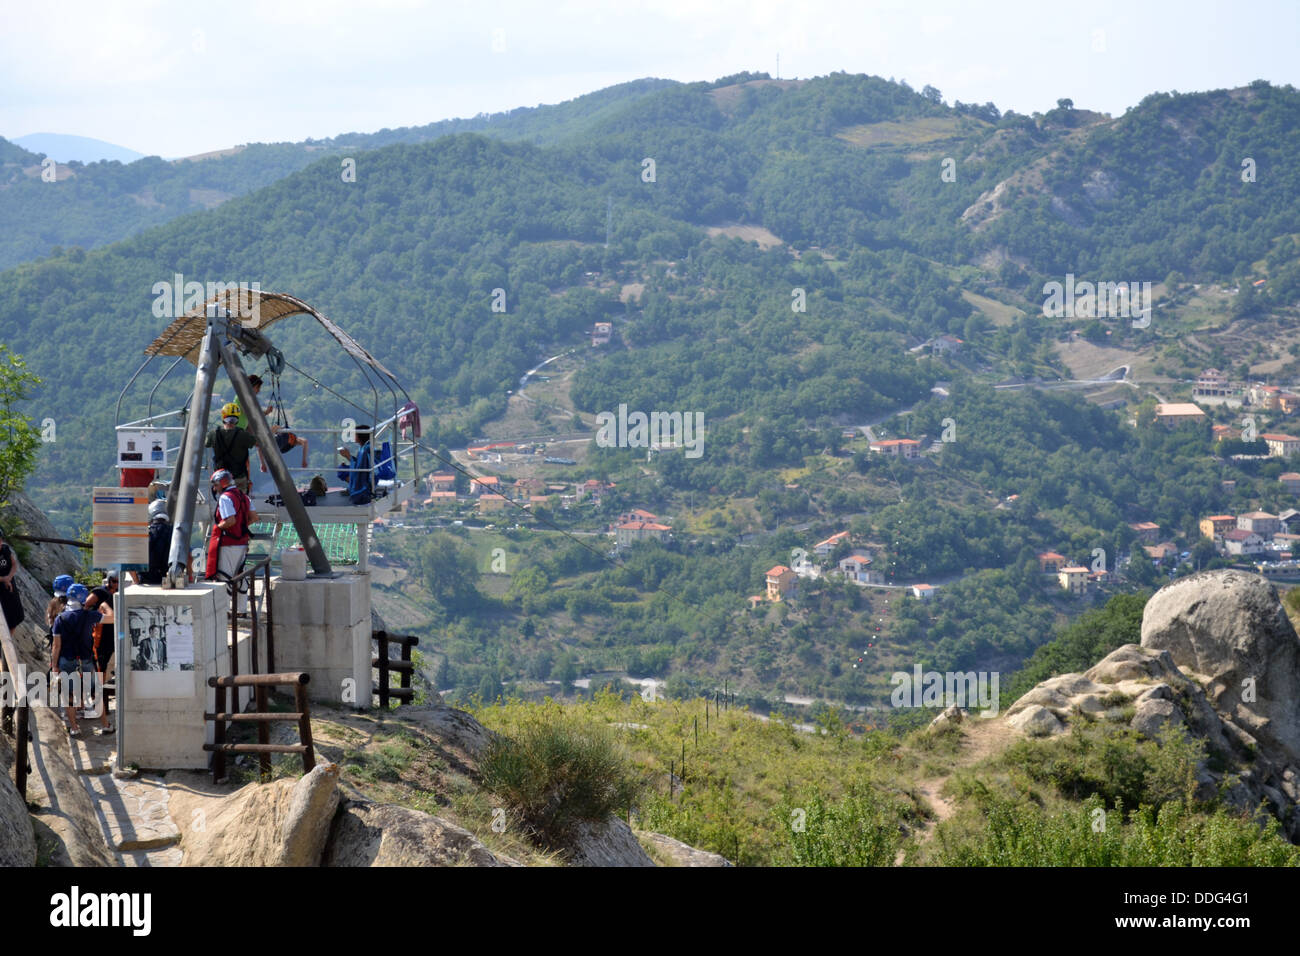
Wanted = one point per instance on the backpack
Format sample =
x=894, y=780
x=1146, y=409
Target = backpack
x=222, y=450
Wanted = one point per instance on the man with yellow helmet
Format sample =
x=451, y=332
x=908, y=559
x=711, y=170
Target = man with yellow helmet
x=230, y=446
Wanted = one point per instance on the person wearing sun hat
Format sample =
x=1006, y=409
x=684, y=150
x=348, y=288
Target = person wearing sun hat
x=73, y=650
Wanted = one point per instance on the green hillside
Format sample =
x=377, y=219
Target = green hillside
x=617, y=207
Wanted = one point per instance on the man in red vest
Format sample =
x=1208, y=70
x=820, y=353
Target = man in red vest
x=228, y=542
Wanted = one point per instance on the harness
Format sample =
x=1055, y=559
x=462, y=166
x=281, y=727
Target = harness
x=222, y=449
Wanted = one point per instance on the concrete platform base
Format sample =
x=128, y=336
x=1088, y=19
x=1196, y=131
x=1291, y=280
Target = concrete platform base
x=322, y=626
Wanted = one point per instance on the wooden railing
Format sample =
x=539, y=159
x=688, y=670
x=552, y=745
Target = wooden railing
x=262, y=717
x=406, y=667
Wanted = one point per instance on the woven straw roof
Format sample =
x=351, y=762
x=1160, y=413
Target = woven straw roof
x=254, y=309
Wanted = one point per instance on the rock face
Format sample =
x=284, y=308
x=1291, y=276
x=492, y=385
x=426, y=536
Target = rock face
x=17, y=841
x=1229, y=628
x=606, y=844
x=377, y=834
x=282, y=823
x=1218, y=659
x=681, y=854
x=953, y=715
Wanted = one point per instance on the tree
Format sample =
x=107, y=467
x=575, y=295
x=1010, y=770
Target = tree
x=1065, y=104
x=20, y=437
x=450, y=571
x=932, y=94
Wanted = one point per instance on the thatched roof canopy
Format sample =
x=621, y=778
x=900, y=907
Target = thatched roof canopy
x=254, y=309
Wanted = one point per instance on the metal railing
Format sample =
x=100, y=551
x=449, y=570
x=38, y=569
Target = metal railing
x=249, y=574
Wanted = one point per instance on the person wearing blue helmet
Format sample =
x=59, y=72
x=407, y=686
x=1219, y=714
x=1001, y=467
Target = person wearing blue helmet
x=73, y=650
x=57, y=604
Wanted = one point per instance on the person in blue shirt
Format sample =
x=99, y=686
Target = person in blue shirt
x=73, y=651
x=356, y=472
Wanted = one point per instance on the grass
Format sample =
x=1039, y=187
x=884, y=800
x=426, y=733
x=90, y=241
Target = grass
x=924, y=129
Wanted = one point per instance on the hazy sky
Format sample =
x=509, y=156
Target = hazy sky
x=176, y=79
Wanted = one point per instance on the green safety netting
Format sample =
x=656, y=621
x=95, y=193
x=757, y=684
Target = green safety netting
x=338, y=540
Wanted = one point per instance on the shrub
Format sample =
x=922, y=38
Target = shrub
x=863, y=828
x=555, y=773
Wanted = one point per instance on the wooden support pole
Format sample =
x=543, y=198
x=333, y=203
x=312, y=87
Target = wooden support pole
x=263, y=730
x=219, y=735
x=20, y=750
x=304, y=725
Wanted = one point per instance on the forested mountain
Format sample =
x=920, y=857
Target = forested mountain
x=99, y=203
x=884, y=220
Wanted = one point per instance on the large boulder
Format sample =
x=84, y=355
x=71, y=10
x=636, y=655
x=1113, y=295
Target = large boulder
x=610, y=843
x=379, y=834
x=1228, y=628
x=282, y=823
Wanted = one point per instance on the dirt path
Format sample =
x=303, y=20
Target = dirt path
x=981, y=739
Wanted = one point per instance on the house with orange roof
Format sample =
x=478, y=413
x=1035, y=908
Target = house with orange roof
x=628, y=533
x=823, y=548
x=923, y=592
x=490, y=484
x=781, y=583
x=442, y=482
x=1148, y=532
x=1213, y=526
x=1049, y=562
x=490, y=502
x=898, y=447
x=1173, y=414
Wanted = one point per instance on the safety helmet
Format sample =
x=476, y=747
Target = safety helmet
x=230, y=410
x=77, y=594
x=157, y=509
x=62, y=583
x=220, y=475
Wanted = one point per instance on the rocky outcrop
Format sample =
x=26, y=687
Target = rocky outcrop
x=606, y=844
x=282, y=823
x=1220, y=660
x=17, y=841
x=456, y=728
x=677, y=853
x=377, y=834
x=1229, y=629
x=953, y=715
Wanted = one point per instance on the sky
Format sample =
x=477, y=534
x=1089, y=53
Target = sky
x=177, y=79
